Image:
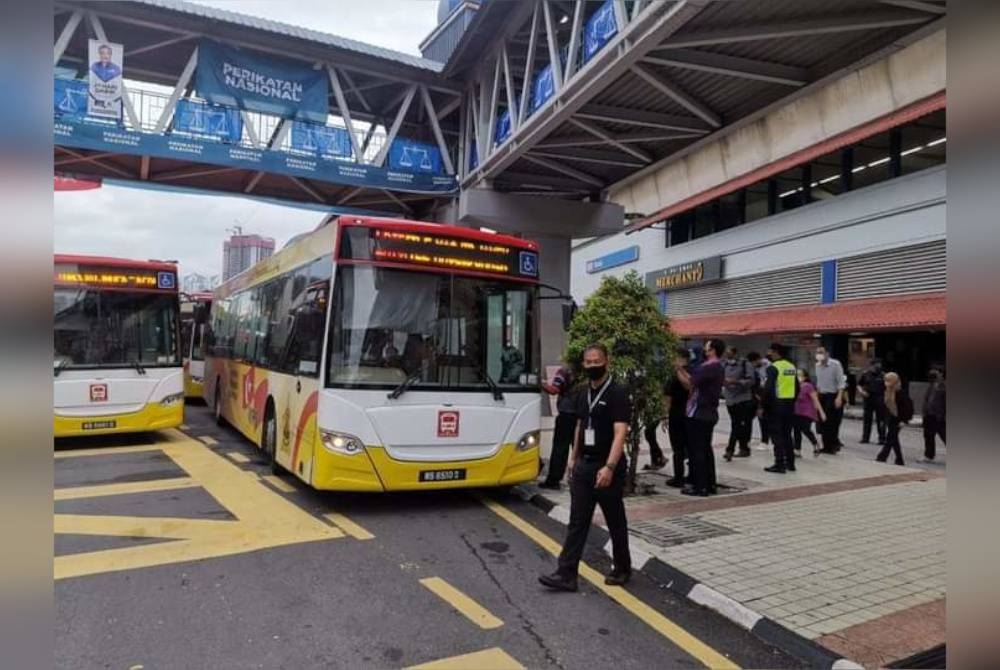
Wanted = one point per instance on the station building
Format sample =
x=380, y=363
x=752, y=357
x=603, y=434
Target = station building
x=819, y=220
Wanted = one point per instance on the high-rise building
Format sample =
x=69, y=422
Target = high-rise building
x=241, y=251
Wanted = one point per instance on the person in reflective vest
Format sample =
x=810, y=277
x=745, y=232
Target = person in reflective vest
x=780, y=391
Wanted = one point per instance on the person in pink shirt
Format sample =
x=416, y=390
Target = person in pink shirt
x=807, y=411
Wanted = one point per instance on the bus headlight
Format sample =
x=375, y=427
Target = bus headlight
x=341, y=443
x=172, y=399
x=529, y=440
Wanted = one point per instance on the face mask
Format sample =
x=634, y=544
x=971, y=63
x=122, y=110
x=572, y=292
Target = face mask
x=595, y=372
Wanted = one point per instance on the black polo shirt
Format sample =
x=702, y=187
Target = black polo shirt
x=612, y=407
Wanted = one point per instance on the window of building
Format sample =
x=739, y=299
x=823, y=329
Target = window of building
x=757, y=202
x=705, y=217
x=923, y=143
x=872, y=161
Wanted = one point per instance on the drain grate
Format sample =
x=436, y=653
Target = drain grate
x=680, y=530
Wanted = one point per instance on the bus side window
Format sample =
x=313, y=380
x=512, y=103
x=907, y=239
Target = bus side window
x=308, y=316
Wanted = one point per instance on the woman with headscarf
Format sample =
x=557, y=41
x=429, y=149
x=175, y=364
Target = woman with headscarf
x=897, y=409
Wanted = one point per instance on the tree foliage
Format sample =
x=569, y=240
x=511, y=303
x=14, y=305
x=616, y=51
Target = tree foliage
x=624, y=315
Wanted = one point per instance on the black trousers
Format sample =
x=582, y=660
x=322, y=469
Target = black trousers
x=700, y=454
x=830, y=429
x=655, y=453
x=933, y=427
x=562, y=439
x=873, y=413
x=583, y=498
x=741, y=425
x=782, y=417
x=677, y=430
x=891, y=440
x=802, y=425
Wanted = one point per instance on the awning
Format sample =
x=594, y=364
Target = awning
x=925, y=310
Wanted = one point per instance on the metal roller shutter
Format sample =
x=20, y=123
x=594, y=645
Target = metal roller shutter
x=791, y=286
x=919, y=268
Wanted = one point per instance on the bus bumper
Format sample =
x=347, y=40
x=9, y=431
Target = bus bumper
x=153, y=416
x=376, y=471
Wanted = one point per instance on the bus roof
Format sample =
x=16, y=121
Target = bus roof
x=108, y=261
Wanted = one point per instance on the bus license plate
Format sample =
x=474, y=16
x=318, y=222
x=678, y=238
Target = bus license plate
x=442, y=475
x=99, y=425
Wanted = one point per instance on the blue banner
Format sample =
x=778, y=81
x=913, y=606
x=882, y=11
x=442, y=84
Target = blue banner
x=70, y=132
x=502, y=131
x=198, y=118
x=238, y=78
x=543, y=88
x=70, y=98
x=414, y=156
x=613, y=260
x=473, y=156
x=599, y=29
x=321, y=140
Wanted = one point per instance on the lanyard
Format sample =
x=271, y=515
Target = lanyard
x=593, y=402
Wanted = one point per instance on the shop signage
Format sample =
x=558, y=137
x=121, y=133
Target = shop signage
x=614, y=259
x=704, y=271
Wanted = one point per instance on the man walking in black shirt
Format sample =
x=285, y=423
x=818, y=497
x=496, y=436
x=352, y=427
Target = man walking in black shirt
x=596, y=472
x=705, y=385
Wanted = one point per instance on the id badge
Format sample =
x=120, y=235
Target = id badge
x=588, y=437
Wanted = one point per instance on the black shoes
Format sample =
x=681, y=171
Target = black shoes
x=552, y=486
x=655, y=465
x=692, y=491
x=728, y=456
x=775, y=468
x=743, y=454
x=558, y=582
x=675, y=482
x=616, y=578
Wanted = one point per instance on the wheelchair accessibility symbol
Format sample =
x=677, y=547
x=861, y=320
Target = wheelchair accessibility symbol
x=529, y=263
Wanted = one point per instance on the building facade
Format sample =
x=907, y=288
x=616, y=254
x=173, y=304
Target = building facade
x=833, y=232
x=239, y=252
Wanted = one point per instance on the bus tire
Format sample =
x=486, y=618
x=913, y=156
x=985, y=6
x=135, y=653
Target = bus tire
x=219, y=419
x=269, y=439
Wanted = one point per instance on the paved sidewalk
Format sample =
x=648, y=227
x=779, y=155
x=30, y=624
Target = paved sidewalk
x=846, y=552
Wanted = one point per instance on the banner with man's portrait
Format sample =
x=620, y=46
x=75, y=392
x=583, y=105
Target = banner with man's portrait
x=104, y=97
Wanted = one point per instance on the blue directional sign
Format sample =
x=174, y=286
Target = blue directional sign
x=614, y=259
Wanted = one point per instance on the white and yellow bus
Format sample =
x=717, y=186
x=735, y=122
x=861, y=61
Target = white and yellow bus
x=117, y=365
x=194, y=313
x=381, y=355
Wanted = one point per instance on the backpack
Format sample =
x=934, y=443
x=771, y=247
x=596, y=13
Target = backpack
x=904, y=407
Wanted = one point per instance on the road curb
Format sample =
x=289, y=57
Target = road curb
x=768, y=630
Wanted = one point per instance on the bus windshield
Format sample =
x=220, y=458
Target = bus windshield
x=443, y=331
x=96, y=328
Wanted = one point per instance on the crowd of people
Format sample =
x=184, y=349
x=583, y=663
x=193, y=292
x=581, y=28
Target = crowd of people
x=593, y=422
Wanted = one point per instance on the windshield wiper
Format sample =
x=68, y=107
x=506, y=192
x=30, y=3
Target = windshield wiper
x=58, y=367
x=401, y=389
x=138, y=366
x=497, y=393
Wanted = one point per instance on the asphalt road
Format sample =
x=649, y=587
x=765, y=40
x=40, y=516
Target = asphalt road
x=179, y=553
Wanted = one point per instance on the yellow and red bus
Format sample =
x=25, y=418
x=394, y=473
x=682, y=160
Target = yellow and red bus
x=117, y=364
x=195, y=308
x=380, y=355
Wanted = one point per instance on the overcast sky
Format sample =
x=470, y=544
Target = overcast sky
x=140, y=223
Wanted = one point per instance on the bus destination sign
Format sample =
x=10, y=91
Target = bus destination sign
x=142, y=279
x=439, y=251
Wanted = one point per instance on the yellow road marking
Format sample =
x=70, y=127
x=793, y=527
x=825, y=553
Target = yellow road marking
x=488, y=659
x=120, y=488
x=264, y=519
x=348, y=526
x=465, y=605
x=237, y=457
x=661, y=624
x=107, y=451
x=279, y=483
x=208, y=439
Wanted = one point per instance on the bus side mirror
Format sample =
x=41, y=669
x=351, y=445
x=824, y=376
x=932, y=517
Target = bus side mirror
x=568, y=312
